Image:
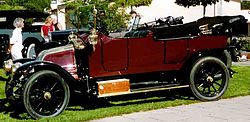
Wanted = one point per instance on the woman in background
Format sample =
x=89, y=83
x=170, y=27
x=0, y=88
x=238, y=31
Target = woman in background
x=16, y=41
x=57, y=25
x=47, y=28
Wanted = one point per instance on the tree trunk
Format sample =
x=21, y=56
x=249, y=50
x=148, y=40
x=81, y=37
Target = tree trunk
x=204, y=11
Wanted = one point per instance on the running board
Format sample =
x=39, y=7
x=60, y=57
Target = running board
x=142, y=91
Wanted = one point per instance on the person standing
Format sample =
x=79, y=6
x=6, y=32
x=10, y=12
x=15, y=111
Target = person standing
x=134, y=21
x=57, y=25
x=47, y=28
x=16, y=41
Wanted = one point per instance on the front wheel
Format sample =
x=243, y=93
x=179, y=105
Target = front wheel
x=46, y=94
x=209, y=79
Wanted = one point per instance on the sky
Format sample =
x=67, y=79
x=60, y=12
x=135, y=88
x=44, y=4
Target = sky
x=164, y=8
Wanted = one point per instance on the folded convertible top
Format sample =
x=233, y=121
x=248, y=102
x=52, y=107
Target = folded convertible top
x=219, y=25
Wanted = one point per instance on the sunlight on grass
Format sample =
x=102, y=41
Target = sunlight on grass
x=239, y=86
x=240, y=83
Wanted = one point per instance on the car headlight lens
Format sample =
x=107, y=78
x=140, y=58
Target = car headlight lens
x=15, y=66
x=7, y=65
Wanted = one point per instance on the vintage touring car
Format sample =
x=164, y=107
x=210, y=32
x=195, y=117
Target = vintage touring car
x=156, y=56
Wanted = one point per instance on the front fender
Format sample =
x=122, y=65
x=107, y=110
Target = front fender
x=23, y=60
x=32, y=67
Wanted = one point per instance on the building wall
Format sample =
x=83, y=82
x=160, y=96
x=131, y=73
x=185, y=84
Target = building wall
x=164, y=8
x=58, y=9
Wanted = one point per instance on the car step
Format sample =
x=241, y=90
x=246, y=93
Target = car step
x=122, y=87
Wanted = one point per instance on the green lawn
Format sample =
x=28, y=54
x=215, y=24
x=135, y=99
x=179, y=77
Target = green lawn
x=239, y=86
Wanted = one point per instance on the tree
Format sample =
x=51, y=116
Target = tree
x=11, y=5
x=115, y=16
x=245, y=5
x=34, y=5
x=204, y=3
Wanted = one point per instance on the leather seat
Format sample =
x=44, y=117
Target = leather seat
x=137, y=33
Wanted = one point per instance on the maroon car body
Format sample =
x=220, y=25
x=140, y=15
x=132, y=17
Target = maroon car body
x=125, y=56
x=150, y=58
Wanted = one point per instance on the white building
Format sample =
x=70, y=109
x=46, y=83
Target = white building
x=58, y=8
x=164, y=8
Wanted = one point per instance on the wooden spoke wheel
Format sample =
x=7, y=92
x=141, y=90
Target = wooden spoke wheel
x=209, y=78
x=45, y=94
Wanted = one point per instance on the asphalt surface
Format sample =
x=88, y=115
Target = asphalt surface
x=224, y=110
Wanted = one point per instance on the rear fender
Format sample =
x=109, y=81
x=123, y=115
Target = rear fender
x=23, y=60
x=234, y=52
x=194, y=57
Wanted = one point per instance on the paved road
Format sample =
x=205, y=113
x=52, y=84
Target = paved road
x=242, y=63
x=225, y=110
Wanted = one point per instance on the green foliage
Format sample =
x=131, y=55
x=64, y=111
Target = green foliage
x=188, y=3
x=205, y=3
x=34, y=5
x=14, y=2
x=245, y=5
x=136, y=3
x=244, y=42
x=80, y=12
x=9, y=7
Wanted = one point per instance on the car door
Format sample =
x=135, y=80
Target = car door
x=176, y=50
x=114, y=53
x=145, y=54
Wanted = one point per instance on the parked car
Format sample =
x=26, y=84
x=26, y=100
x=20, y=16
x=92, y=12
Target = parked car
x=31, y=31
x=152, y=58
x=4, y=46
x=58, y=38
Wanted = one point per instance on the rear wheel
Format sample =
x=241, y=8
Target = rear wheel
x=209, y=78
x=45, y=94
x=31, y=52
x=26, y=46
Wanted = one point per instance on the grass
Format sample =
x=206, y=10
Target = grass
x=95, y=109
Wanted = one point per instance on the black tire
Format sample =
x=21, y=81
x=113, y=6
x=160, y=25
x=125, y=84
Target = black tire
x=26, y=46
x=209, y=78
x=25, y=49
x=31, y=52
x=46, y=94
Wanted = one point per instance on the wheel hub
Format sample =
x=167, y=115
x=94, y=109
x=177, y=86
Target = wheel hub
x=210, y=79
x=47, y=96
